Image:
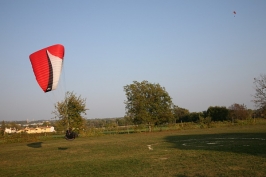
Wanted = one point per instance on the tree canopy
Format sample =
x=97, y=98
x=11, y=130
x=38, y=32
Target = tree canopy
x=218, y=113
x=70, y=111
x=148, y=103
x=238, y=111
x=181, y=114
x=3, y=127
x=260, y=94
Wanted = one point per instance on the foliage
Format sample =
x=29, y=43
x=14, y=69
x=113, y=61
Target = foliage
x=259, y=113
x=260, y=95
x=46, y=123
x=205, y=121
x=148, y=103
x=92, y=132
x=106, y=122
x=218, y=113
x=14, y=125
x=194, y=116
x=238, y=111
x=190, y=117
x=180, y=114
x=3, y=127
x=70, y=112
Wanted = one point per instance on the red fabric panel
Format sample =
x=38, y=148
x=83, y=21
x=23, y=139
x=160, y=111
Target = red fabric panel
x=40, y=65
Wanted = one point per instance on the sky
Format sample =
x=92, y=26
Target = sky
x=199, y=51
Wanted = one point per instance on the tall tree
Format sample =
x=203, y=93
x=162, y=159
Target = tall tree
x=180, y=114
x=70, y=111
x=218, y=113
x=260, y=94
x=148, y=103
x=3, y=127
x=238, y=111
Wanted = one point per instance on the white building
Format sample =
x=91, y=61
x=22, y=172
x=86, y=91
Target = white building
x=39, y=129
x=47, y=129
x=10, y=130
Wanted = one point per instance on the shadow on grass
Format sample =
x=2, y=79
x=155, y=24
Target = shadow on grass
x=243, y=143
x=35, y=145
x=62, y=148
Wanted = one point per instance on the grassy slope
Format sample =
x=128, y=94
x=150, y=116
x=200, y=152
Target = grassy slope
x=232, y=151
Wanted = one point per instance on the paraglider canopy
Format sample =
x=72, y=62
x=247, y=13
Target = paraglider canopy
x=47, y=65
x=234, y=12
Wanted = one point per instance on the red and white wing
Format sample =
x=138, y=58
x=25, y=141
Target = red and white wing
x=47, y=64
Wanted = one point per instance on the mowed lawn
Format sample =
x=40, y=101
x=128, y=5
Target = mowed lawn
x=227, y=151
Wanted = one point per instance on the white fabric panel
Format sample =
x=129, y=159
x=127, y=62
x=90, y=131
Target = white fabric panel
x=57, y=67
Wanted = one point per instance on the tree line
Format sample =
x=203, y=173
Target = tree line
x=150, y=104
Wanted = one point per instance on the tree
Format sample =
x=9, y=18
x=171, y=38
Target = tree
x=180, y=114
x=3, y=127
x=194, y=116
x=218, y=113
x=15, y=125
x=70, y=112
x=238, y=111
x=148, y=103
x=46, y=123
x=260, y=95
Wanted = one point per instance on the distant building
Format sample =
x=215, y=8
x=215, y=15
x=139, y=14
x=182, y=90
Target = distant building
x=39, y=129
x=31, y=130
x=10, y=130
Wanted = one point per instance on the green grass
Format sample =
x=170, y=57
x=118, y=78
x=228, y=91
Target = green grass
x=224, y=151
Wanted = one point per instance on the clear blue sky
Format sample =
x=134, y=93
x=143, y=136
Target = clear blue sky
x=197, y=50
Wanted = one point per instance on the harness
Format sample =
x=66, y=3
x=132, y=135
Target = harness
x=70, y=135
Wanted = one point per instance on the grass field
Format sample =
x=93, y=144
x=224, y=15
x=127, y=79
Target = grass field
x=225, y=151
